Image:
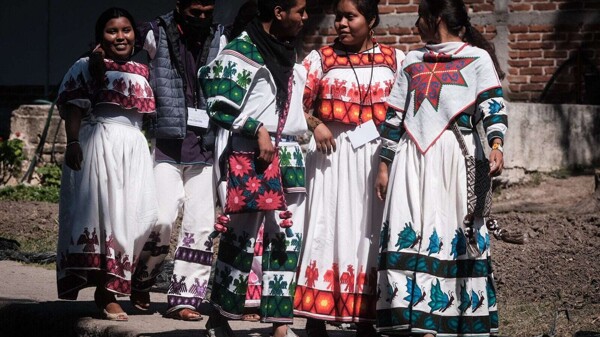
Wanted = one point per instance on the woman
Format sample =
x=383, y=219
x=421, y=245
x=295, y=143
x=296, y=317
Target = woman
x=107, y=198
x=431, y=280
x=348, y=83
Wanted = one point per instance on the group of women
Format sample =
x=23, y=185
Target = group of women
x=384, y=241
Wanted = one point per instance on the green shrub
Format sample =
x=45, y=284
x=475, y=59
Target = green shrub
x=49, y=175
x=30, y=193
x=11, y=158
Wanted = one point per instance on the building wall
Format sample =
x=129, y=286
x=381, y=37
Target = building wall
x=550, y=50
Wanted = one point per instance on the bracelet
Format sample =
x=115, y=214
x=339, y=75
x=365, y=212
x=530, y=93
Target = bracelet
x=76, y=141
x=498, y=147
x=312, y=122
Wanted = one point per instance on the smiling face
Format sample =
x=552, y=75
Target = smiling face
x=351, y=26
x=118, y=38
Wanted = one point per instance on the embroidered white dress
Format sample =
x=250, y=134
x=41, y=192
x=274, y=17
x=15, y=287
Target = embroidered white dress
x=337, y=276
x=107, y=209
x=428, y=281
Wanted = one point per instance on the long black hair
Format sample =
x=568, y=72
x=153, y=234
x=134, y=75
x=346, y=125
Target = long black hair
x=454, y=13
x=368, y=8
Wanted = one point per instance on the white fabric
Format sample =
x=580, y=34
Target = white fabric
x=112, y=197
x=460, y=89
x=343, y=215
x=187, y=188
x=428, y=193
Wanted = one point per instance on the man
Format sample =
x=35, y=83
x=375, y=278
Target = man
x=178, y=44
x=250, y=86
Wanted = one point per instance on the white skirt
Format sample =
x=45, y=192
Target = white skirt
x=337, y=276
x=428, y=281
x=108, y=208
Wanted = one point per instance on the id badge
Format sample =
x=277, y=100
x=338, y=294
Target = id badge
x=363, y=134
x=198, y=118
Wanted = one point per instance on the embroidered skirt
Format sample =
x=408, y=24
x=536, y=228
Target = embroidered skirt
x=337, y=279
x=108, y=208
x=428, y=282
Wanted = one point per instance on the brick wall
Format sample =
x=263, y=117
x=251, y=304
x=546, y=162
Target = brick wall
x=533, y=38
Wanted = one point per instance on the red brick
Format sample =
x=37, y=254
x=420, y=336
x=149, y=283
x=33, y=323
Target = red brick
x=512, y=37
x=519, y=8
x=542, y=62
x=400, y=31
x=525, y=45
x=517, y=79
x=513, y=71
x=388, y=9
x=541, y=28
x=514, y=87
x=529, y=37
x=410, y=39
x=540, y=79
x=401, y=2
x=518, y=63
x=523, y=54
x=550, y=70
x=531, y=71
x=555, y=54
x=406, y=9
x=386, y=39
x=518, y=29
x=544, y=7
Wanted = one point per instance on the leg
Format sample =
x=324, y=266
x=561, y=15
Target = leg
x=170, y=196
x=280, y=262
x=193, y=257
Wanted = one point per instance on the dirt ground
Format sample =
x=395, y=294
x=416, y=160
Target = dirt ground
x=550, y=286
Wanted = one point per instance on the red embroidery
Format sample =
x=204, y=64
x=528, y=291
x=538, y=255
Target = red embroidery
x=429, y=76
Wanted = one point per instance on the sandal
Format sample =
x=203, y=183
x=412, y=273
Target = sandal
x=103, y=299
x=140, y=300
x=184, y=314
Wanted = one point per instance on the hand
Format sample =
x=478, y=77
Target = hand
x=382, y=180
x=267, y=150
x=496, y=163
x=99, y=50
x=74, y=157
x=324, y=139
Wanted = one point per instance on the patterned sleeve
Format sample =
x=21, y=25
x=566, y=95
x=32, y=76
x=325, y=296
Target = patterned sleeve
x=490, y=102
x=225, y=83
x=391, y=130
x=74, y=88
x=314, y=70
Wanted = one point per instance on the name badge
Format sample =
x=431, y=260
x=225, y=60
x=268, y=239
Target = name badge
x=363, y=134
x=198, y=118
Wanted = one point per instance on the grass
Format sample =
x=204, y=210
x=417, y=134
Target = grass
x=546, y=319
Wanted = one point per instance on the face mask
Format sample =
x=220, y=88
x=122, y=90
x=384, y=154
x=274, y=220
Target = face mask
x=197, y=23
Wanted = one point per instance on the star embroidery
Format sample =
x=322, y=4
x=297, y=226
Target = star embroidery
x=430, y=76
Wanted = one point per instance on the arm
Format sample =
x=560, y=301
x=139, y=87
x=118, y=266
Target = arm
x=225, y=107
x=73, y=154
x=391, y=131
x=323, y=136
x=495, y=124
